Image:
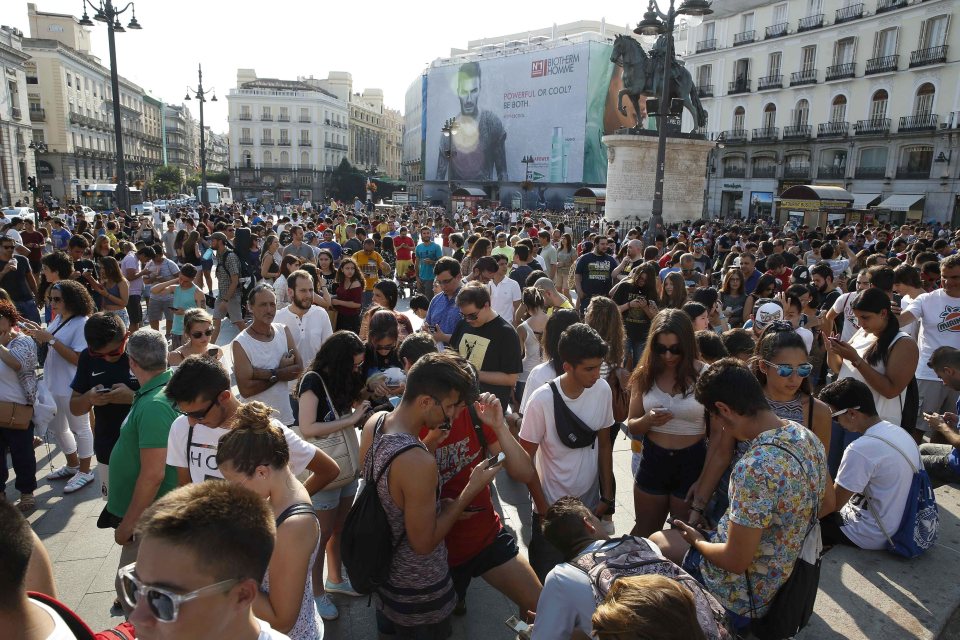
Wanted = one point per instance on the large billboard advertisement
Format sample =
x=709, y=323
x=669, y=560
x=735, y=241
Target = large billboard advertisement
x=530, y=105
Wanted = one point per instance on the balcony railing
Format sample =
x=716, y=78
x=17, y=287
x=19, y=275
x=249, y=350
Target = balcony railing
x=707, y=45
x=776, y=30
x=870, y=173
x=305, y=119
x=735, y=135
x=872, y=127
x=744, y=37
x=766, y=133
x=304, y=143
x=266, y=142
x=806, y=76
x=834, y=173
x=890, y=5
x=841, y=71
x=881, y=65
x=246, y=116
x=705, y=91
x=770, y=82
x=922, y=122
x=933, y=55
x=739, y=86
x=38, y=115
x=846, y=14
x=15, y=113
x=266, y=117
x=284, y=143
x=796, y=171
x=810, y=22
x=765, y=171
x=246, y=141
x=797, y=132
x=734, y=172
x=906, y=173
x=283, y=118
x=833, y=129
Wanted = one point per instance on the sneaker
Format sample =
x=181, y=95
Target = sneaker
x=116, y=610
x=63, y=473
x=326, y=608
x=79, y=481
x=343, y=588
x=461, y=608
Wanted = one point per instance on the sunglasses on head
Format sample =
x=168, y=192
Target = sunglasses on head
x=164, y=604
x=197, y=334
x=786, y=370
x=661, y=349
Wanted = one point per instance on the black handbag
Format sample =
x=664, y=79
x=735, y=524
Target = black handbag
x=571, y=429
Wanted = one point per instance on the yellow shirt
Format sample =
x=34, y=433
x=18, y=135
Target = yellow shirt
x=369, y=267
x=566, y=305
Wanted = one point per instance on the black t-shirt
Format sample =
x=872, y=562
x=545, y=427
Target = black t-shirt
x=311, y=382
x=97, y=371
x=791, y=259
x=491, y=347
x=15, y=282
x=595, y=278
x=635, y=321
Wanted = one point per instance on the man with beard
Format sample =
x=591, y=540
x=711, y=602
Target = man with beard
x=308, y=323
x=476, y=146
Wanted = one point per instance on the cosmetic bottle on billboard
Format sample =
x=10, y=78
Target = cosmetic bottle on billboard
x=566, y=158
x=556, y=155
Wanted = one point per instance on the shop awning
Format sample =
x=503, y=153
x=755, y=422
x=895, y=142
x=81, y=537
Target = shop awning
x=469, y=192
x=590, y=192
x=864, y=200
x=901, y=202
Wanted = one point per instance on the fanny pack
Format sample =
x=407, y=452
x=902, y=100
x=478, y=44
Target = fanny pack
x=570, y=429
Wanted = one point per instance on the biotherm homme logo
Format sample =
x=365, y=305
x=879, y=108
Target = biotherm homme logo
x=553, y=66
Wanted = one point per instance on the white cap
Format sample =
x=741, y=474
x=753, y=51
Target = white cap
x=767, y=313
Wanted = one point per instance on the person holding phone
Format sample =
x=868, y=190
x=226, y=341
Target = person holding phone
x=186, y=296
x=197, y=331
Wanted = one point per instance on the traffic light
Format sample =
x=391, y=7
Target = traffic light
x=32, y=183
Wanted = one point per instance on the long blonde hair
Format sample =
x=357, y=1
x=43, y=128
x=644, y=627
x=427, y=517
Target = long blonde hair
x=605, y=318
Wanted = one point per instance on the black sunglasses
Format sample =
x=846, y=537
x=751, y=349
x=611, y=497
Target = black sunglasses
x=197, y=334
x=661, y=349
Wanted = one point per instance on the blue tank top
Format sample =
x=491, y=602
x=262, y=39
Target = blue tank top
x=182, y=299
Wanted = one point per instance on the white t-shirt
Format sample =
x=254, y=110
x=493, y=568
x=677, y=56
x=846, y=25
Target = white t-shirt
x=269, y=633
x=564, y=471
x=872, y=466
x=309, y=332
x=939, y=316
x=60, y=629
x=539, y=376
x=502, y=297
x=130, y=261
x=203, y=449
x=58, y=372
x=843, y=306
x=912, y=329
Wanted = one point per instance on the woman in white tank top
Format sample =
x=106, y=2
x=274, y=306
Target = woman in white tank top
x=665, y=412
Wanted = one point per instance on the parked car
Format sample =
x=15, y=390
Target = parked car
x=161, y=205
x=88, y=213
x=25, y=213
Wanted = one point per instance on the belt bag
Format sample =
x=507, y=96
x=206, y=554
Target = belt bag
x=570, y=429
x=15, y=416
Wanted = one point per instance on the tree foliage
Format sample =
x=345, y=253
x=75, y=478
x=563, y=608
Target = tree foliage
x=167, y=180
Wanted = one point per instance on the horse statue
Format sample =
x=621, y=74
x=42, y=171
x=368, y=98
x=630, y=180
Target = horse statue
x=643, y=77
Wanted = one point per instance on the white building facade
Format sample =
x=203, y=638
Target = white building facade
x=285, y=138
x=863, y=95
x=16, y=158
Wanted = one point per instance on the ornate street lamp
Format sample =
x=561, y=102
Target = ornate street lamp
x=200, y=94
x=450, y=129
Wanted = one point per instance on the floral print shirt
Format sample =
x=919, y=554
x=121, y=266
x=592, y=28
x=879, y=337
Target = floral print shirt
x=770, y=491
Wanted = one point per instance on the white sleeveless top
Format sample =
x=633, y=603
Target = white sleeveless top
x=532, y=355
x=266, y=355
x=889, y=409
x=687, y=412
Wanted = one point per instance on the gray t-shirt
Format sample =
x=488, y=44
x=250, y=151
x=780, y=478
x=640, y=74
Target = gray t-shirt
x=304, y=251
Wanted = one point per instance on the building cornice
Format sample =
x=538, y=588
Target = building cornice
x=82, y=59
x=15, y=54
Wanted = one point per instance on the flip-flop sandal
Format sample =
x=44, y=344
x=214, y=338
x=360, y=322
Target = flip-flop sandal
x=26, y=504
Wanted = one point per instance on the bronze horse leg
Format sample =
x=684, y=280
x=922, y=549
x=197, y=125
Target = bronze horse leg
x=622, y=109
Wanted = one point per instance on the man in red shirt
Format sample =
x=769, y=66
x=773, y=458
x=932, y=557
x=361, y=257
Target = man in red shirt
x=478, y=545
x=777, y=267
x=32, y=240
x=403, y=247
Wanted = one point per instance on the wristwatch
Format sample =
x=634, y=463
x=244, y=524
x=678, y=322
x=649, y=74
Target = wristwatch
x=273, y=376
x=52, y=341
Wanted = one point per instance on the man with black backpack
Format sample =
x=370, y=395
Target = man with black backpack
x=399, y=551
x=565, y=431
x=229, y=292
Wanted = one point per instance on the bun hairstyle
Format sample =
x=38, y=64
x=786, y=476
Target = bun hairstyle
x=253, y=441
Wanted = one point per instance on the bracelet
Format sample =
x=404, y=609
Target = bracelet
x=697, y=509
x=607, y=502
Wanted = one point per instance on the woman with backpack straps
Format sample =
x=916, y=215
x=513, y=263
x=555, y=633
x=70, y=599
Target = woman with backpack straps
x=254, y=454
x=879, y=354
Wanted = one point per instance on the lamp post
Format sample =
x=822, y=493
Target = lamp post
x=200, y=94
x=38, y=148
x=654, y=23
x=449, y=129
x=105, y=11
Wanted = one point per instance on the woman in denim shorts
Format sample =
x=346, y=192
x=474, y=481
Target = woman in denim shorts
x=665, y=413
x=329, y=399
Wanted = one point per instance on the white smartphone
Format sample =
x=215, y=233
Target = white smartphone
x=493, y=461
x=521, y=628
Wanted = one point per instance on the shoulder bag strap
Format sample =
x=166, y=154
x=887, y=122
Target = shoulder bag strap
x=333, y=408
x=913, y=467
x=296, y=509
x=873, y=512
x=810, y=413
x=478, y=428
x=189, y=444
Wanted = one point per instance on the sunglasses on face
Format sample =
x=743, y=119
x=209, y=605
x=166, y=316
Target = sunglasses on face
x=786, y=370
x=164, y=604
x=471, y=317
x=197, y=415
x=661, y=349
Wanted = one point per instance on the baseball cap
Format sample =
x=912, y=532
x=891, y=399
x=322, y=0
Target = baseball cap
x=766, y=312
x=801, y=275
x=309, y=235
x=219, y=235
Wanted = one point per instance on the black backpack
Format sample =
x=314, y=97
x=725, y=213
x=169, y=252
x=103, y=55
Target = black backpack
x=367, y=544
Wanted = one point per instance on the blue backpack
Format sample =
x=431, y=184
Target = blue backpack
x=921, y=520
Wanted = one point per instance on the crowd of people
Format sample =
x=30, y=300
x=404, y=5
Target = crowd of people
x=777, y=385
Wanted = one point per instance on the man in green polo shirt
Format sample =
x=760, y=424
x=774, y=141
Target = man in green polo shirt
x=138, y=470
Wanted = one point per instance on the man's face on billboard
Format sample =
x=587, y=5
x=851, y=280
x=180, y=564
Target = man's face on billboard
x=468, y=90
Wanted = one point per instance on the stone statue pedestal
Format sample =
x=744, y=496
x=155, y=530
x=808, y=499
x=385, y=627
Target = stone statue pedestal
x=632, y=171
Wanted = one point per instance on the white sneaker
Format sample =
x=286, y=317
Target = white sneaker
x=326, y=608
x=63, y=473
x=79, y=481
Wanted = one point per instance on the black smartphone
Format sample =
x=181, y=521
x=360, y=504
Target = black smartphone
x=212, y=352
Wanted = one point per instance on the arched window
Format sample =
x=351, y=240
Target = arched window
x=739, y=115
x=284, y=159
x=770, y=116
x=247, y=159
x=923, y=101
x=838, y=109
x=267, y=157
x=304, y=159
x=878, y=105
x=801, y=114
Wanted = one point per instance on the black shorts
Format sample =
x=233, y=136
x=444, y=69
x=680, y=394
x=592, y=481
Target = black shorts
x=669, y=471
x=436, y=631
x=501, y=550
x=135, y=309
x=831, y=531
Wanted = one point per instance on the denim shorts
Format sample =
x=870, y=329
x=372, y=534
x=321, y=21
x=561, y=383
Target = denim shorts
x=328, y=499
x=669, y=471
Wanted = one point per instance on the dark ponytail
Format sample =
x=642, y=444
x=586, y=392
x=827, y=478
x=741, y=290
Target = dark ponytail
x=875, y=301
